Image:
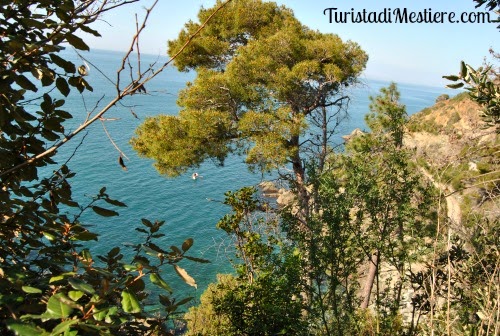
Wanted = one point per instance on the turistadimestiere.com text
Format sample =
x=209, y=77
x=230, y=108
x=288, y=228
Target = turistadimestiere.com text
x=403, y=15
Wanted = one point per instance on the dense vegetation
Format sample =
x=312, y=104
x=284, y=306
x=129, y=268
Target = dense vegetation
x=380, y=238
x=50, y=283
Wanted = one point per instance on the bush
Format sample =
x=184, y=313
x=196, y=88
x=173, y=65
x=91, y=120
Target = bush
x=442, y=97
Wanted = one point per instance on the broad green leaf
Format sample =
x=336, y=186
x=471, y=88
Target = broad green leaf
x=136, y=286
x=37, y=73
x=25, y=83
x=62, y=86
x=175, y=249
x=81, y=286
x=63, y=327
x=199, y=260
x=157, y=280
x=104, y=212
x=76, y=42
x=165, y=300
x=147, y=222
x=130, y=268
x=455, y=86
x=86, y=256
x=56, y=308
x=86, y=236
x=112, y=311
x=184, y=301
x=150, y=251
x=187, y=244
x=61, y=277
x=113, y=252
x=26, y=329
x=33, y=24
x=75, y=295
x=106, y=314
x=49, y=236
x=56, y=278
x=451, y=77
x=103, y=272
x=31, y=290
x=66, y=65
x=86, y=85
x=143, y=261
x=114, y=202
x=89, y=30
x=155, y=247
x=101, y=314
x=130, y=304
x=31, y=317
x=463, y=69
x=185, y=276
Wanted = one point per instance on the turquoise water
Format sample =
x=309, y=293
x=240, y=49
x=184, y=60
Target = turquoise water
x=182, y=202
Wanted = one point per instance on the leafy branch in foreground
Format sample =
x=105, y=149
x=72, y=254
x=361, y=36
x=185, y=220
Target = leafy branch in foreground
x=50, y=281
x=483, y=85
x=47, y=55
x=96, y=296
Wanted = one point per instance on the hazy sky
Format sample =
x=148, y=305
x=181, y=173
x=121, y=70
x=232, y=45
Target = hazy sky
x=403, y=52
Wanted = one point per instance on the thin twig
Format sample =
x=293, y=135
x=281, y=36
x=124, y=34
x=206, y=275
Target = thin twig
x=137, y=47
x=131, y=48
x=111, y=139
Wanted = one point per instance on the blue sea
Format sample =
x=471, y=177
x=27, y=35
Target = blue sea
x=189, y=207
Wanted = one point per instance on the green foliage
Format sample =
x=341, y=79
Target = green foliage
x=98, y=295
x=370, y=200
x=331, y=256
x=466, y=277
x=188, y=139
x=260, y=76
x=32, y=38
x=240, y=22
x=264, y=298
x=429, y=126
x=204, y=319
x=392, y=204
x=483, y=86
x=387, y=114
x=50, y=282
x=454, y=118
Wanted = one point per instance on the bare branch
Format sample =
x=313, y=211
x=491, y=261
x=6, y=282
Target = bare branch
x=131, y=47
x=137, y=47
x=111, y=139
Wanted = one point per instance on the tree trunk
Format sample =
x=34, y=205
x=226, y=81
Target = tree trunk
x=372, y=272
x=300, y=181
